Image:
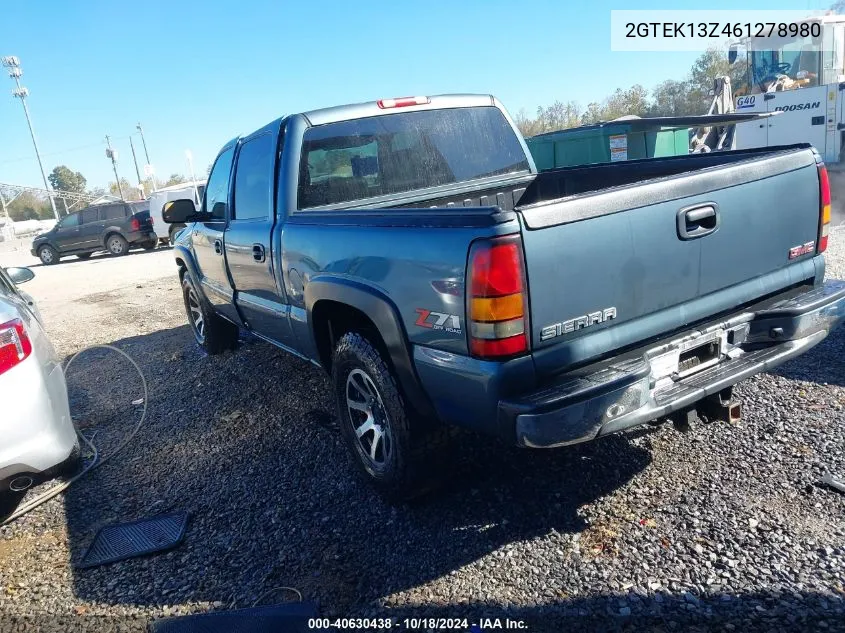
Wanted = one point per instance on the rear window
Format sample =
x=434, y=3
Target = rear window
x=396, y=153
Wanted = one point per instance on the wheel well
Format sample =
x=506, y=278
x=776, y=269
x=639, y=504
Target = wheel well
x=332, y=319
x=109, y=234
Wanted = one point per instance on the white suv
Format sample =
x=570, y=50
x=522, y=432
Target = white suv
x=37, y=438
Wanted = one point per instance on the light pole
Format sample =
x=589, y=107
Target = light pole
x=110, y=153
x=147, y=155
x=137, y=171
x=14, y=65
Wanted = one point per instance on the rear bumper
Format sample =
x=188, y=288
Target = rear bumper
x=135, y=237
x=620, y=395
x=504, y=399
x=37, y=436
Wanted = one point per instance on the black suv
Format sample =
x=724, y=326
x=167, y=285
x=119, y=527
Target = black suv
x=115, y=227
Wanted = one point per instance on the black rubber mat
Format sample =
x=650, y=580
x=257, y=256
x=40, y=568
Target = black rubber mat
x=291, y=617
x=136, y=538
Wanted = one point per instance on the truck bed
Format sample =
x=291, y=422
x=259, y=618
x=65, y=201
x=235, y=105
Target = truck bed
x=616, y=242
x=527, y=192
x=553, y=184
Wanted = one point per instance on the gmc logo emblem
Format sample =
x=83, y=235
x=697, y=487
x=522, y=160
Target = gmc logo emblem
x=802, y=249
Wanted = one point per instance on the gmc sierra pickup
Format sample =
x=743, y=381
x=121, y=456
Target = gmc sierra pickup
x=411, y=249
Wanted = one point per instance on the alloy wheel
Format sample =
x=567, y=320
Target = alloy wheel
x=369, y=419
x=195, y=314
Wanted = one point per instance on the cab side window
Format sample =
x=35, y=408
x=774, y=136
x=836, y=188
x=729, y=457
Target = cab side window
x=69, y=221
x=217, y=188
x=253, y=196
x=89, y=216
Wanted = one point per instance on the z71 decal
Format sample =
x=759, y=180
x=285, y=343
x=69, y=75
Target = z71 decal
x=438, y=320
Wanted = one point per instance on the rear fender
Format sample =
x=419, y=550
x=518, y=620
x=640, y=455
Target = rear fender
x=109, y=231
x=384, y=314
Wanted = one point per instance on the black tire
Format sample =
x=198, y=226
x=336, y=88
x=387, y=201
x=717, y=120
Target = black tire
x=212, y=332
x=415, y=453
x=48, y=255
x=117, y=245
x=150, y=246
x=84, y=255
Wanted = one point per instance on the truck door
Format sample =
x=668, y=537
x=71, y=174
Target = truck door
x=90, y=228
x=67, y=232
x=207, y=237
x=258, y=296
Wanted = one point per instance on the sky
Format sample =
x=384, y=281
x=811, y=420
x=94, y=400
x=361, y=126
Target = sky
x=195, y=74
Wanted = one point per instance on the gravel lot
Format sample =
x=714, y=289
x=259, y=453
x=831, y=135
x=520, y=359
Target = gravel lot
x=720, y=528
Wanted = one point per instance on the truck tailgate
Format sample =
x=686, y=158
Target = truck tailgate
x=619, y=266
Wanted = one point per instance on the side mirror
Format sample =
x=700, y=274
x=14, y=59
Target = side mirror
x=179, y=211
x=20, y=275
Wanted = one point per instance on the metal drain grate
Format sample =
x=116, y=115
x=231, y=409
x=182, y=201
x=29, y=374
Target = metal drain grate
x=136, y=538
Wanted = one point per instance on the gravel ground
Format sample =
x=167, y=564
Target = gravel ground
x=722, y=528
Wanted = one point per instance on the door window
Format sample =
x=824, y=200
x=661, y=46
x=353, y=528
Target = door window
x=217, y=188
x=69, y=221
x=89, y=216
x=253, y=197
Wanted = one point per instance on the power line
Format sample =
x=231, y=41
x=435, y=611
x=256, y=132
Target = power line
x=57, y=153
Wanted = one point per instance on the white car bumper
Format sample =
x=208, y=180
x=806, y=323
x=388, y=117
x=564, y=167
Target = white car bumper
x=36, y=430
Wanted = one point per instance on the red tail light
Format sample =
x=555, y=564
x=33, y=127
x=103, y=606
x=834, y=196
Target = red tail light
x=15, y=345
x=824, y=207
x=135, y=224
x=497, y=301
x=402, y=102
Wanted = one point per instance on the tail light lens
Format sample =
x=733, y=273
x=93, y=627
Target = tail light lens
x=15, y=345
x=824, y=207
x=135, y=224
x=497, y=301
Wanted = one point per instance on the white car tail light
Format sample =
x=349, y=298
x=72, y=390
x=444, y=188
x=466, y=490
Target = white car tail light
x=15, y=345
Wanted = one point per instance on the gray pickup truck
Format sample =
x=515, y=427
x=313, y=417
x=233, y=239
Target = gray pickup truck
x=410, y=248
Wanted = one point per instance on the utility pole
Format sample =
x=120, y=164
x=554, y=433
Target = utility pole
x=110, y=153
x=147, y=155
x=135, y=160
x=14, y=65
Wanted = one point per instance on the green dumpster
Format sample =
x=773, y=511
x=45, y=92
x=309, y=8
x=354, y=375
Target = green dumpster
x=606, y=142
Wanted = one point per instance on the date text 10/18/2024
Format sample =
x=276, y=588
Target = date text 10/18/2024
x=416, y=624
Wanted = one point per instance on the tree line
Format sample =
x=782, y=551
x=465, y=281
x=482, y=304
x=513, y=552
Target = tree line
x=31, y=206
x=672, y=97
x=687, y=96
